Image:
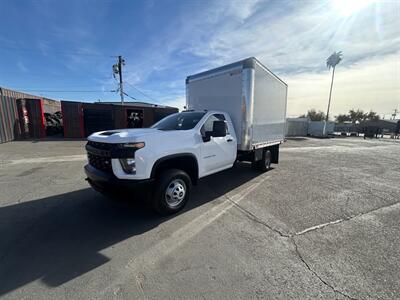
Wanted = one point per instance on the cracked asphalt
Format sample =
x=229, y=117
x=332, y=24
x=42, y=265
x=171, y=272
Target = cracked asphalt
x=323, y=224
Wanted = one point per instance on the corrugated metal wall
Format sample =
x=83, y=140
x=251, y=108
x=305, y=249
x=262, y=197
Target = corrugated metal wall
x=10, y=123
x=51, y=106
x=16, y=94
x=82, y=119
x=296, y=127
x=345, y=127
x=22, y=116
x=315, y=128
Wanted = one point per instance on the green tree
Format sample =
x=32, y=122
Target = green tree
x=356, y=116
x=372, y=116
x=314, y=115
x=341, y=118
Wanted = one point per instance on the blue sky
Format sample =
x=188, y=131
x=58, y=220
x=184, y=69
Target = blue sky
x=68, y=46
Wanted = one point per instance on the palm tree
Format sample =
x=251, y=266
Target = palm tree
x=331, y=62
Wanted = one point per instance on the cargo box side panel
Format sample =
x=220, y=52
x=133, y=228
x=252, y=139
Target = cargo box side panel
x=269, y=107
x=221, y=92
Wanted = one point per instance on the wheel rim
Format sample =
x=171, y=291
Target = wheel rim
x=175, y=192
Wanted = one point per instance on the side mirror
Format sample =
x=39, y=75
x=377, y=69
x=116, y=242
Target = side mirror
x=219, y=129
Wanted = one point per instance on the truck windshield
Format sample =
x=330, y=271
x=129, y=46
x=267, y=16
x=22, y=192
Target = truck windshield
x=179, y=121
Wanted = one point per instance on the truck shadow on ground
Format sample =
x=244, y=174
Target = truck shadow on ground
x=59, y=238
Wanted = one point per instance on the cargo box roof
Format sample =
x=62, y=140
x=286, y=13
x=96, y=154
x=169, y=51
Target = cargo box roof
x=245, y=63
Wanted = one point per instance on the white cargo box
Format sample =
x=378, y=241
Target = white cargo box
x=253, y=96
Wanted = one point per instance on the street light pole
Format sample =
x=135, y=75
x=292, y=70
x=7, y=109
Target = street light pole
x=329, y=102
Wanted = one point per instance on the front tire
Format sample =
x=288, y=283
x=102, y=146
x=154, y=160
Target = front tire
x=171, y=192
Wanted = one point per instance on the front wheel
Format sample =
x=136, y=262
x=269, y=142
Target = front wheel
x=172, y=191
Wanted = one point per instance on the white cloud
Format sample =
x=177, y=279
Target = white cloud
x=189, y=32
x=373, y=84
x=299, y=39
x=177, y=101
x=293, y=39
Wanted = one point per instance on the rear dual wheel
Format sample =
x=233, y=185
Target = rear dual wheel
x=264, y=164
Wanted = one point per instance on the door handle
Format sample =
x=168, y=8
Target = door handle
x=229, y=140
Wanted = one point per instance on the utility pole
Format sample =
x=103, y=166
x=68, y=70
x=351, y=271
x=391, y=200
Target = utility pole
x=117, y=69
x=394, y=114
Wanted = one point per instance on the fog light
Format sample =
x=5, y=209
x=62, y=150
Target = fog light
x=128, y=164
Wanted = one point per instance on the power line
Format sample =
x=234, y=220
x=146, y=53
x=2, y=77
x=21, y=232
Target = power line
x=117, y=69
x=73, y=87
x=44, y=51
x=147, y=96
x=130, y=96
x=67, y=91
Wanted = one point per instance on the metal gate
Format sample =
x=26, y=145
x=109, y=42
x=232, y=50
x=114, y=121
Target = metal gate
x=97, y=120
x=72, y=114
x=37, y=128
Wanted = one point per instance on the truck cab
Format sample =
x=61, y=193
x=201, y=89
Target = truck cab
x=195, y=143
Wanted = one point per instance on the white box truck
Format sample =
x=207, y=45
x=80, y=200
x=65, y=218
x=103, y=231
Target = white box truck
x=235, y=113
x=251, y=94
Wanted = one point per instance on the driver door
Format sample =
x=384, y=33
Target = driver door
x=219, y=152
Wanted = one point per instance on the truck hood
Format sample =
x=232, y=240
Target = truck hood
x=130, y=135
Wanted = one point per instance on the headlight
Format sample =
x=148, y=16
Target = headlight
x=128, y=164
x=129, y=149
x=131, y=145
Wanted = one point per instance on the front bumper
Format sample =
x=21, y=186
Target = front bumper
x=101, y=180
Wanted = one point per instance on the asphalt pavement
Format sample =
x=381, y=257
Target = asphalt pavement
x=322, y=224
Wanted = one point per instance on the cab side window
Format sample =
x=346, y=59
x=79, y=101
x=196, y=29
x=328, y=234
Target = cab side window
x=208, y=125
